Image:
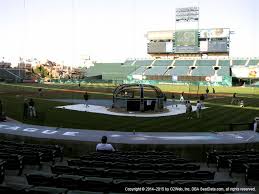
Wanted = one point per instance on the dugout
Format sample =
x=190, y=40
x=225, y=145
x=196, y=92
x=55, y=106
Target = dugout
x=138, y=97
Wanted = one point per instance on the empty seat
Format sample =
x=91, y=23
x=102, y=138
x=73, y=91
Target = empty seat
x=99, y=164
x=121, y=184
x=162, y=62
x=46, y=190
x=68, y=181
x=120, y=165
x=187, y=167
x=14, y=188
x=179, y=161
x=237, y=165
x=143, y=166
x=157, y=183
x=90, y=172
x=82, y=163
x=172, y=175
x=116, y=173
x=97, y=184
x=252, y=171
x=162, y=160
x=190, y=183
x=145, y=174
x=200, y=175
x=165, y=166
x=2, y=170
x=40, y=179
x=222, y=184
x=58, y=169
x=83, y=192
x=13, y=161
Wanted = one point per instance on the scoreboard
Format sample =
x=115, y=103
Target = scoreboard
x=214, y=40
x=186, y=41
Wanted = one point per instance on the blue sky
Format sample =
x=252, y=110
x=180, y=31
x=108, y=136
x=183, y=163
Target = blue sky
x=113, y=30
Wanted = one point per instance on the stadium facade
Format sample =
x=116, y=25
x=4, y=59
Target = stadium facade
x=186, y=55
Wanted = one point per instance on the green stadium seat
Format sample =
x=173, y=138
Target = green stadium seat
x=128, y=62
x=179, y=71
x=46, y=190
x=224, y=63
x=2, y=170
x=143, y=63
x=205, y=62
x=239, y=62
x=203, y=71
x=183, y=62
x=68, y=181
x=83, y=192
x=97, y=184
x=162, y=62
x=40, y=179
x=139, y=71
x=253, y=62
x=156, y=70
x=58, y=169
x=14, y=188
x=224, y=71
x=100, y=68
x=13, y=161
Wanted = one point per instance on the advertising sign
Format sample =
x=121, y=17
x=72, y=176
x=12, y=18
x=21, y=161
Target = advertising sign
x=218, y=45
x=214, y=33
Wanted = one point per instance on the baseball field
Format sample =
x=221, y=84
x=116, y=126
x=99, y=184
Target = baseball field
x=219, y=115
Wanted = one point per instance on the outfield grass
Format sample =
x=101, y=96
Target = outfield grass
x=216, y=118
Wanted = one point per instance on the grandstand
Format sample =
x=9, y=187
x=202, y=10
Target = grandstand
x=11, y=74
x=161, y=69
x=179, y=70
x=162, y=62
x=203, y=71
x=156, y=70
x=184, y=62
x=224, y=63
x=205, y=62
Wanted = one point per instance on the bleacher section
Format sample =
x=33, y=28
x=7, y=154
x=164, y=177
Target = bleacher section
x=238, y=62
x=127, y=69
x=205, y=63
x=162, y=62
x=139, y=71
x=223, y=71
x=128, y=62
x=179, y=70
x=162, y=69
x=156, y=70
x=116, y=71
x=12, y=74
x=224, y=63
x=183, y=62
x=100, y=68
x=203, y=71
x=143, y=62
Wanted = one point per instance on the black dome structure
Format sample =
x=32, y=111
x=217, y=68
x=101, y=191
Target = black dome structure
x=138, y=97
